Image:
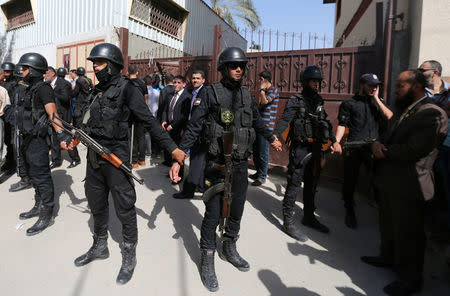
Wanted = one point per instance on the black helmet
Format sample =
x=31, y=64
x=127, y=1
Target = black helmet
x=17, y=70
x=35, y=61
x=108, y=52
x=231, y=55
x=8, y=66
x=311, y=72
x=61, y=72
x=80, y=71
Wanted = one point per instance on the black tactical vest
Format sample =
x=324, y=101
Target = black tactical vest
x=242, y=126
x=108, y=114
x=309, y=124
x=32, y=112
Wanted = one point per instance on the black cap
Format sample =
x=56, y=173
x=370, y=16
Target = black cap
x=370, y=79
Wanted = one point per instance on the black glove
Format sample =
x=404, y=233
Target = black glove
x=64, y=137
x=8, y=114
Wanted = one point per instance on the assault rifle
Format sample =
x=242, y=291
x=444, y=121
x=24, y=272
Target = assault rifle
x=80, y=136
x=357, y=144
x=227, y=139
x=163, y=75
x=17, y=136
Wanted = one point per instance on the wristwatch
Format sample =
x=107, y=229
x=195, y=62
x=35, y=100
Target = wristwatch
x=263, y=89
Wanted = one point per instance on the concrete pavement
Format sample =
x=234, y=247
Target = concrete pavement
x=168, y=253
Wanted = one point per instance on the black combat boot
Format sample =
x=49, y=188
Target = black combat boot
x=231, y=255
x=24, y=183
x=291, y=228
x=99, y=250
x=311, y=221
x=350, y=218
x=207, y=271
x=44, y=221
x=128, y=263
x=34, y=212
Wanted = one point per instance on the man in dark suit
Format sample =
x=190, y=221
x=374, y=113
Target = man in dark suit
x=197, y=162
x=176, y=112
x=63, y=90
x=165, y=96
x=404, y=181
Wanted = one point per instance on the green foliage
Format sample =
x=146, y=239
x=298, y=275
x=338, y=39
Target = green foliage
x=242, y=9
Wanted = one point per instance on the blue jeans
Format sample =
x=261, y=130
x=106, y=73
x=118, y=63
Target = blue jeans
x=261, y=156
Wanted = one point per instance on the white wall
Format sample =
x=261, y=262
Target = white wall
x=435, y=34
x=200, y=28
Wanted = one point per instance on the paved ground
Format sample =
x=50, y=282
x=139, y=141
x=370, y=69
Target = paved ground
x=168, y=253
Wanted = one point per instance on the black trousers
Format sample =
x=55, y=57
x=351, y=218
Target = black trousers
x=213, y=208
x=138, y=143
x=10, y=160
x=56, y=150
x=38, y=169
x=296, y=174
x=196, y=177
x=402, y=235
x=352, y=164
x=99, y=183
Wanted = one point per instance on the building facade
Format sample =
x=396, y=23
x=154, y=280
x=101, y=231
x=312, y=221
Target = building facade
x=421, y=28
x=64, y=31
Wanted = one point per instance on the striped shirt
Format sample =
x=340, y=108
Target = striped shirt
x=269, y=111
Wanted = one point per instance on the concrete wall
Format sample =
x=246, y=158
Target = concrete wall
x=434, y=34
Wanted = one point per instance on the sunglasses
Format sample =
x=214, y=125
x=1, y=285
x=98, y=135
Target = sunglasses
x=234, y=66
x=425, y=70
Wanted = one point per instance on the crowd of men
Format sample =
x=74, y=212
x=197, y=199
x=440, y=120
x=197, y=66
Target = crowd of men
x=123, y=119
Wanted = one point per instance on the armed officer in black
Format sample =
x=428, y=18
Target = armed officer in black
x=83, y=87
x=363, y=115
x=10, y=84
x=63, y=90
x=17, y=101
x=115, y=100
x=38, y=104
x=218, y=99
x=305, y=115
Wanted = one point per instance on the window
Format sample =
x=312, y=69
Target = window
x=18, y=13
x=162, y=15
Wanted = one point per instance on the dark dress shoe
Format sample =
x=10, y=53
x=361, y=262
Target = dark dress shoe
x=182, y=195
x=350, y=219
x=398, y=288
x=258, y=182
x=376, y=261
x=253, y=176
x=24, y=183
x=74, y=164
x=312, y=222
x=54, y=165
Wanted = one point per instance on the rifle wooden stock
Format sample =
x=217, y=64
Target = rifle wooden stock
x=227, y=139
x=104, y=152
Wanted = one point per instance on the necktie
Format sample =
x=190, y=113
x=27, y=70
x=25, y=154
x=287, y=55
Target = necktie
x=172, y=105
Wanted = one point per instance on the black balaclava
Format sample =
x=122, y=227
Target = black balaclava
x=109, y=71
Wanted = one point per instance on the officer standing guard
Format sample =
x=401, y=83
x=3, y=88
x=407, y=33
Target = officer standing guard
x=115, y=100
x=38, y=104
x=305, y=115
x=226, y=105
x=10, y=84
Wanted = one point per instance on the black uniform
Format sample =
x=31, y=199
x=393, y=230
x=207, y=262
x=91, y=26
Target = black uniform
x=296, y=115
x=62, y=91
x=139, y=133
x=363, y=118
x=10, y=84
x=247, y=118
x=113, y=104
x=83, y=88
x=35, y=145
